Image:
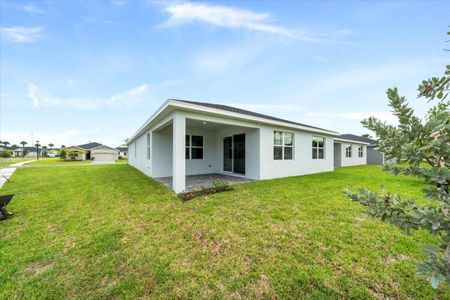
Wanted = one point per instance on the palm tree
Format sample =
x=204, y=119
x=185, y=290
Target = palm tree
x=6, y=143
x=23, y=143
x=37, y=145
x=51, y=145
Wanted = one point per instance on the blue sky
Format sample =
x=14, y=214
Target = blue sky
x=73, y=72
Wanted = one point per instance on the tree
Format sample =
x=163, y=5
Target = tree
x=5, y=143
x=423, y=148
x=37, y=145
x=366, y=135
x=51, y=145
x=23, y=143
x=44, y=151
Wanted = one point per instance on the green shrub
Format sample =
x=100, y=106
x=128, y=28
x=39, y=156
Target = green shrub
x=218, y=187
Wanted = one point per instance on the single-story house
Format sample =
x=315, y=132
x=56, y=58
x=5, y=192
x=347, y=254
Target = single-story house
x=123, y=151
x=349, y=152
x=92, y=151
x=374, y=156
x=30, y=152
x=192, y=138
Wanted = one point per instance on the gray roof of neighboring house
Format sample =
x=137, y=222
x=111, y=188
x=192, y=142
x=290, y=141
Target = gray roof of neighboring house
x=29, y=149
x=89, y=146
x=357, y=138
x=122, y=148
x=244, y=112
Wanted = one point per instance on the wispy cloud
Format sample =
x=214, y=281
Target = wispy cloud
x=218, y=60
x=355, y=116
x=125, y=98
x=17, y=34
x=130, y=96
x=270, y=107
x=223, y=16
x=32, y=9
x=230, y=17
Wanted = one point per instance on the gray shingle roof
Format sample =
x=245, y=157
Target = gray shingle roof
x=122, y=148
x=89, y=146
x=357, y=138
x=245, y=112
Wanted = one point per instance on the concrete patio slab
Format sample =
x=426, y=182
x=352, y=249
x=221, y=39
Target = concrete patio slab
x=196, y=182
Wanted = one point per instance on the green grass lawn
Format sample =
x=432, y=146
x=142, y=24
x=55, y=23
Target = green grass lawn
x=109, y=231
x=56, y=161
x=4, y=162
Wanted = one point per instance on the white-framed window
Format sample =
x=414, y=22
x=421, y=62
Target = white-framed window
x=135, y=149
x=283, y=145
x=318, y=147
x=148, y=146
x=348, y=151
x=194, y=147
x=361, y=151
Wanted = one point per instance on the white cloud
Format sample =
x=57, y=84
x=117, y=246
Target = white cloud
x=128, y=97
x=223, y=16
x=134, y=95
x=19, y=34
x=33, y=9
x=270, y=107
x=220, y=60
x=355, y=116
x=230, y=17
x=32, y=90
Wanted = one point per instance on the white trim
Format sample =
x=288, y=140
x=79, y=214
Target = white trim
x=100, y=147
x=349, y=141
x=199, y=108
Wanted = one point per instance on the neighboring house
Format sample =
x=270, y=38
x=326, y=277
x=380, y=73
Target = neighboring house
x=190, y=138
x=374, y=156
x=123, y=151
x=92, y=151
x=349, y=152
x=30, y=152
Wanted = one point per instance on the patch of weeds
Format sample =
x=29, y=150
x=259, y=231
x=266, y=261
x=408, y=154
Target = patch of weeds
x=218, y=187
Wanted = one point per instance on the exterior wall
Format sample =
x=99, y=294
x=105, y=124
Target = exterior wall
x=209, y=162
x=137, y=154
x=354, y=160
x=161, y=156
x=259, y=150
x=123, y=153
x=374, y=156
x=302, y=162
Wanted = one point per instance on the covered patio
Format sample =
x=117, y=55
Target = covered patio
x=196, y=182
x=191, y=151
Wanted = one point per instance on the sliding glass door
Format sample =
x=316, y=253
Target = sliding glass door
x=234, y=154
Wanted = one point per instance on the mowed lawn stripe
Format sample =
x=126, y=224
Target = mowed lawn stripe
x=105, y=231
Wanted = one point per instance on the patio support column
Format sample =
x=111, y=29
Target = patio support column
x=178, y=153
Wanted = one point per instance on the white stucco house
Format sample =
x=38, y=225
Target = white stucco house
x=349, y=152
x=93, y=151
x=373, y=154
x=189, y=138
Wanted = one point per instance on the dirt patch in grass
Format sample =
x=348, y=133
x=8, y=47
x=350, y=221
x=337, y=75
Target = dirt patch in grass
x=38, y=267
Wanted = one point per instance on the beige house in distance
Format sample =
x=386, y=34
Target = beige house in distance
x=93, y=151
